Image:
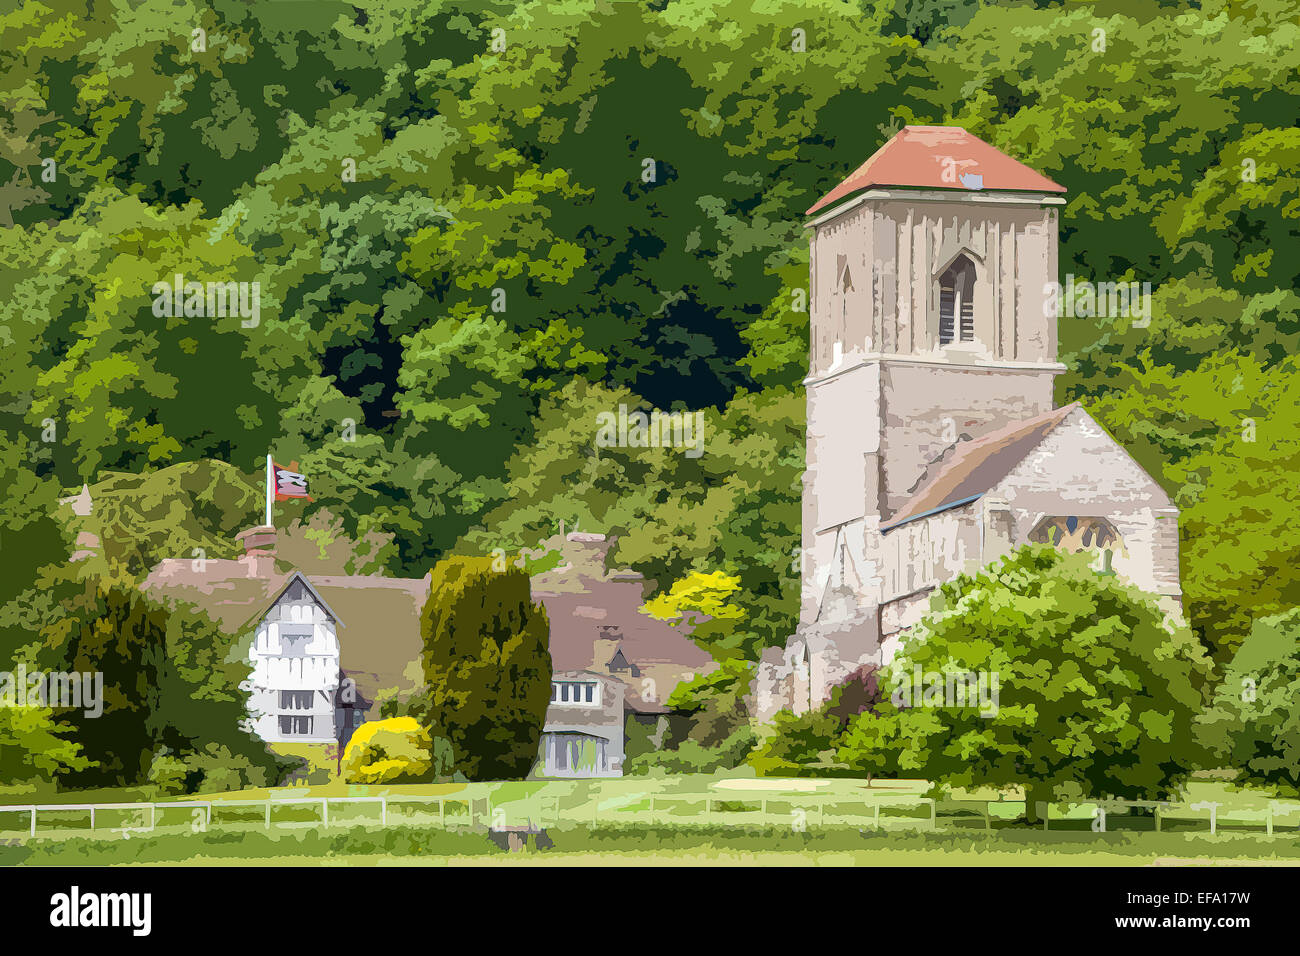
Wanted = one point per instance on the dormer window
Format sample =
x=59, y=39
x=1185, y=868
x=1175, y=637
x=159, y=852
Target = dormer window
x=957, y=302
x=619, y=664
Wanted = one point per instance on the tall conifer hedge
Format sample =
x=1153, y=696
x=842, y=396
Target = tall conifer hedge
x=487, y=667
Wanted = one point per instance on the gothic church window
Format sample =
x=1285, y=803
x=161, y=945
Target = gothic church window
x=1079, y=533
x=957, y=302
x=843, y=286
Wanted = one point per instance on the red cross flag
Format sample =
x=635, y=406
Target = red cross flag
x=282, y=485
x=289, y=484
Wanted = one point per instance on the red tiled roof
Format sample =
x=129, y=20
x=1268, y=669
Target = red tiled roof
x=971, y=468
x=939, y=157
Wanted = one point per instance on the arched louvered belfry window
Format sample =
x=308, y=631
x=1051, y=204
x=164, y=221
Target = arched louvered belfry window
x=957, y=302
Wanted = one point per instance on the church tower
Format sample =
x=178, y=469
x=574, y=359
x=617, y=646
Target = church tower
x=933, y=446
x=932, y=322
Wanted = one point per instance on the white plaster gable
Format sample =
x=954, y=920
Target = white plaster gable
x=298, y=601
x=301, y=626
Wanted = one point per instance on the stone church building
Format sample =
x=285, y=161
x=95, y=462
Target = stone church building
x=933, y=442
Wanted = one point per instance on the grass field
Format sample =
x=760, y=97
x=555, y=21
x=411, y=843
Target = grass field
x=692, y=819
x=661, y=845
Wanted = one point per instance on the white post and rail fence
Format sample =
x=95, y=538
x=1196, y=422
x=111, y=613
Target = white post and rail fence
x=801, y=810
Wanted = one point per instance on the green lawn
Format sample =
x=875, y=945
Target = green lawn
x=658, y=845
x=646, y=820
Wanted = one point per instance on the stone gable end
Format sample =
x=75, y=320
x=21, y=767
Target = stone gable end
x=1080, y=463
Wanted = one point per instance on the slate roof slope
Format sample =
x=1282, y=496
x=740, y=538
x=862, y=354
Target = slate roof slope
x=970, y=468
x=594, y=614
x=382, y=645
x=224, y=588
x=379, y=617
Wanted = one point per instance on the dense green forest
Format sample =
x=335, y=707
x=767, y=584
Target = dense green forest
x=475, y=226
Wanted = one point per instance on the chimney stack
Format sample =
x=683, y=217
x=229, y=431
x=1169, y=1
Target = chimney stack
x=259, y=551
x=88, y=543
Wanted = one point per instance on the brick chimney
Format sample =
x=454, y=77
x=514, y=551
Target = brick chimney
x=259, y=551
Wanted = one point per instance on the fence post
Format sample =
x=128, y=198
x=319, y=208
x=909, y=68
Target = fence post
x=934, y=814
x=1214, y=812
x=33, y=821
x=1268, y=821
x=92, y=818
x=383, y=811
x=268, y=813
x=153, y=816
x=876, y=819
x=325, y=811
x=1157, y=818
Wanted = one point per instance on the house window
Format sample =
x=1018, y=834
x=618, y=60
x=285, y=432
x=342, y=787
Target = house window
x=295, y=726
x=957, y=302
x=295, y=700
x=575, y=755
x=583, y=693
x=294, y=639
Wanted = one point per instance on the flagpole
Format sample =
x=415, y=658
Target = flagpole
x=270, y=489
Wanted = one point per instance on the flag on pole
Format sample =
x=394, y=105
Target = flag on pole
x=282, y=485
x=289, y=484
